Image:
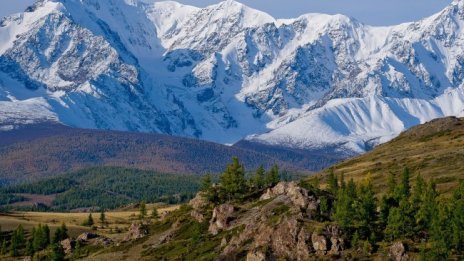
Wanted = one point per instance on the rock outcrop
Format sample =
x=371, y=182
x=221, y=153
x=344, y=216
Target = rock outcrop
x=136, y=231
x=398, y=252
x=221, y=217
x=198, y=204
x=68, y=245
x=299, y=196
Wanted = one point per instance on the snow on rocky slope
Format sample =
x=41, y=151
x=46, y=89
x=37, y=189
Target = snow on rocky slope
x=227, y=72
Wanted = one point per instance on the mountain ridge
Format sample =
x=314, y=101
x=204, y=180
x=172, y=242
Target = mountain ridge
x=227, y=72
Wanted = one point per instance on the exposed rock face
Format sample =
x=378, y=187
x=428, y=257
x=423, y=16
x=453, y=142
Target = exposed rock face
x=136, y=231
x=84, y=237
x=319, y=244
x=398, y=252
x=284, y=238
x=302, y=247
x=68, y=245
x=337, y=243
x=299, y=196
x=255, y=255
x=221, y=218
x=198, y=204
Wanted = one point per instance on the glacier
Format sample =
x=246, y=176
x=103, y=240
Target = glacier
x=227, y=72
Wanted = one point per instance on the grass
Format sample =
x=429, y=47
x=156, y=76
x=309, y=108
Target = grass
x=434, y=150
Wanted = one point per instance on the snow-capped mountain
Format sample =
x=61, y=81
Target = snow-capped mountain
x=228, y=72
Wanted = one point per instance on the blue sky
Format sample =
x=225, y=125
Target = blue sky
x=374, y=12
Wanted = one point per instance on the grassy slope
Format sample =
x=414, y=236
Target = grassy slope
x=435, y=150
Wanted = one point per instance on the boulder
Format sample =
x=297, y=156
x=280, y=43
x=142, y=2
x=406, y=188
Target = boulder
x=68, y=245
x=319, y=243
x=84, y=237
x=198, y=204
x=302, y=247
x=398, y=252
x=255, y=255
x=284, y=239
x=221, y=217
x=298, y=195
x=337, y=243
x=136, y=231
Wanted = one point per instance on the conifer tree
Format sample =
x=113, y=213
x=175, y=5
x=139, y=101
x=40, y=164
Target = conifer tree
x=258, y=179
x=61, y=233
x=4, y=247
x=142, y=210
x=273, y=177
x=29, y=248
x=206, y=183
x=89, y=221
x=154, y=213
x=233, y=179
x=332, y=182
x=102, y=218
x=366, y=207
x=57, y=253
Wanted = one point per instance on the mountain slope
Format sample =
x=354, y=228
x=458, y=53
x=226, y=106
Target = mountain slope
x=434, y=150
x=226, y=72
x=49, y=149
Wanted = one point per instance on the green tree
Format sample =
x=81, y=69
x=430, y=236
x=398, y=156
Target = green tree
x=89, y=221
x=102, y=218
x=332, y=182
x=233, y=181
x=366, y=209
x=142, y=210
x=272, y=176
x=57, y=252
x=427, y=206
x=29, y=248
x=154, y=213
x=457, y=219
x=4, y=247
x=61, y=233
x=41, y=237
x=206, y=183
x=258, y=179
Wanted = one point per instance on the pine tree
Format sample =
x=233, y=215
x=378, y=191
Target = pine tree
x=344, y=208
x=57, y=253
x=457, y=219
x=89, y=221
x=427, y=207
x=4, y=247
x=233, y=180
x=142, y=210
x=366, y=209
x=102, y=218
x=29, y=248
x=258, y=179
x=403, y=190
x=206, y=183
x=14, y=245
x=332, y=182
x=154, y=213
x=273, y=177
x=61, y=233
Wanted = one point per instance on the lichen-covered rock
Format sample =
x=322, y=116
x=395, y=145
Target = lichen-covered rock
x=68, y=245
x=398, y=252
x=319, y=243
x=84, y=237
x=136, y=231
x=284, y=239
x=302, y=247
x=198, y=204
x=255, y=255
x=298, y=195
x=220, y=220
